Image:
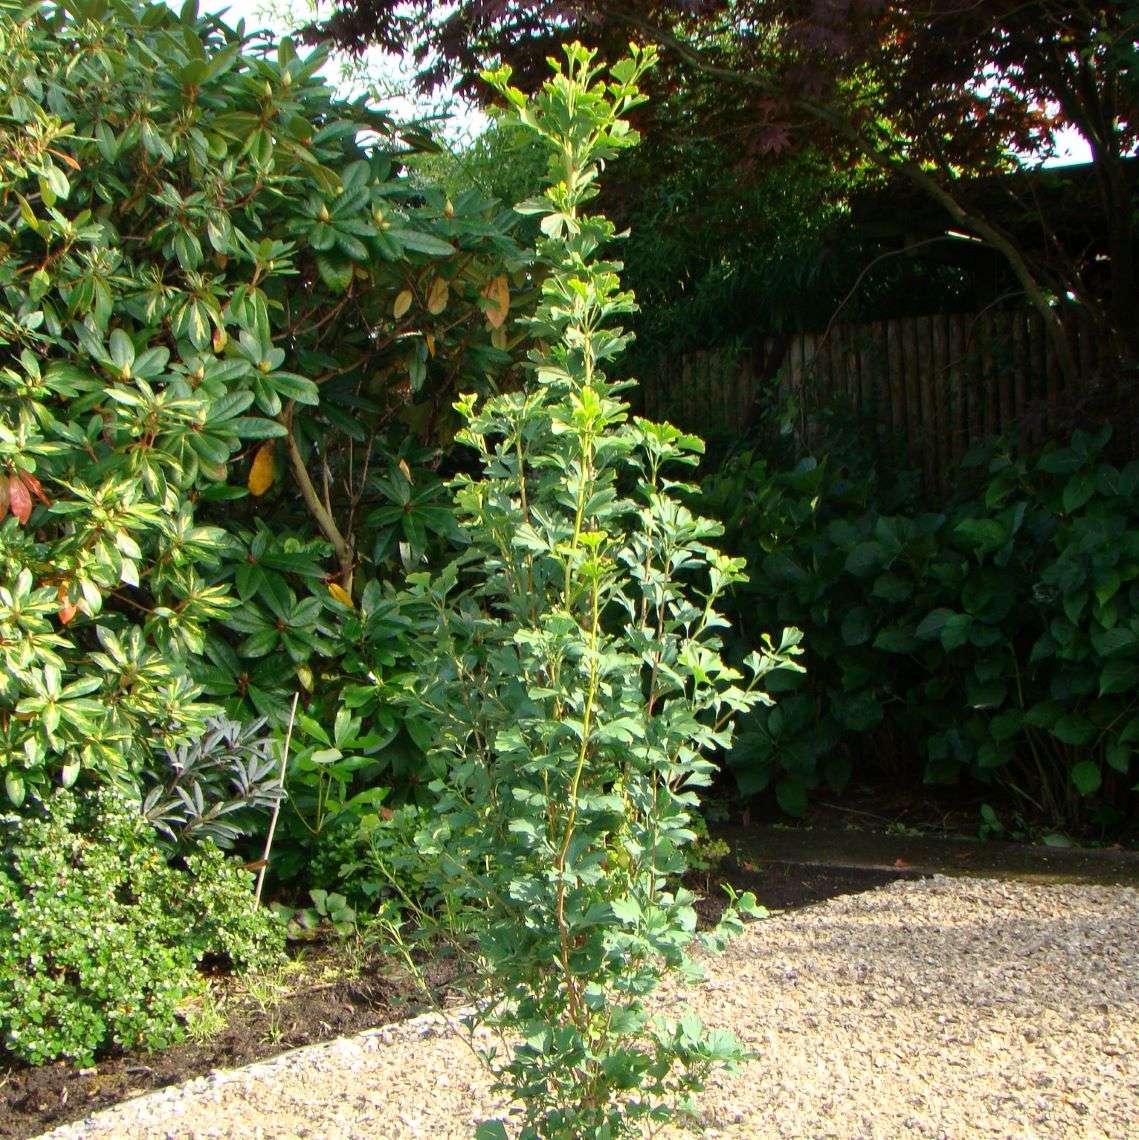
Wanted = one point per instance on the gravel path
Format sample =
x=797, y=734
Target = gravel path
x=938, y=1008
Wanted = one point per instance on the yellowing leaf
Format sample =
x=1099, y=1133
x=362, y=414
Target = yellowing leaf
x=497, y=294
x=430, y=338
x=261, y=472
x=498, y=338
x=438, y=297
x=340, y=594
x=402, y=303
x=406, y=470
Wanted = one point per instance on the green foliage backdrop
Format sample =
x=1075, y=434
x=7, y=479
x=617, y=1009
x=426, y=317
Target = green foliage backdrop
x=996, y=640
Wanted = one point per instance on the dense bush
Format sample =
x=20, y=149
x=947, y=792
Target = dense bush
x=998, y=639
x=231, y=328
x=223, y=310
x=100, y=937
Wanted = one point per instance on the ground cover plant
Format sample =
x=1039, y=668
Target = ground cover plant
x=100, y=937
x=572, y=678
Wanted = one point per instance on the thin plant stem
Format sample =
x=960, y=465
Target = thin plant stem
x=277, y=804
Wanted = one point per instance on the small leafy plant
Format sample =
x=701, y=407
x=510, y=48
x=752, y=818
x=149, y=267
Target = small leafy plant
x=574, y=686
x=100, y=937
x=213, y=786
x=329, y=914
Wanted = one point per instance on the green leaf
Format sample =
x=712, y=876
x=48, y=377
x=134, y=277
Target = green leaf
x=933, y=623
x=122, y=350
x=336, y=273
x=491, y=1130
x=256, y=427
x=896, y=639
x=1118, y=757
x=892, y=588
x=294, y=387
x=1062, y=461
x=792, y=797
x=626, y=910
x=983, y=535
x=57, y=180
x=15, y=788
x=955, y=632
x=857, y=626
x=1074, y=729
x=783, y=570
x=1107, y=642
x=865, y=558
x=1086, y=777
x=322, y=237
x=1119, y=676
x=419, y=242
x=1078, y=490
x=351, y=247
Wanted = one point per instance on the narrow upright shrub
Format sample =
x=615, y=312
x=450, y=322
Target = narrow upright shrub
x=575, y=687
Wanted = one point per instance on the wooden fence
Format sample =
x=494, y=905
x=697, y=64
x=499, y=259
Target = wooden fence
x=935, y=384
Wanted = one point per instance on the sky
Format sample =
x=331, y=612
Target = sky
x=391, y=73
x=1070, y=147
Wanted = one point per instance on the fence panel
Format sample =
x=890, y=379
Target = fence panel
x=940, y=383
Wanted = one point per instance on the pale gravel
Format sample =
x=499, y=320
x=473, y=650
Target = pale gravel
x=936, y=1008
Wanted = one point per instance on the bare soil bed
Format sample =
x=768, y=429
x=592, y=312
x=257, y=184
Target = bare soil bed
x=930, y=1008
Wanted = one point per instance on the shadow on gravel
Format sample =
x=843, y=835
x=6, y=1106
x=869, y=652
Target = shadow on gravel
x=783, y=886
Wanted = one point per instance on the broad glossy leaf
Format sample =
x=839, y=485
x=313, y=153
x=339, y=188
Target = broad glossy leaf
x=419, y=242
x=1087, y=778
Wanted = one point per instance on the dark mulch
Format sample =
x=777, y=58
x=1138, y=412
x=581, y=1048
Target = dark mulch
x=34, y=1100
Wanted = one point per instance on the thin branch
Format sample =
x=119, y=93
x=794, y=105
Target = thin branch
x=322, y=514
x=870, y=265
